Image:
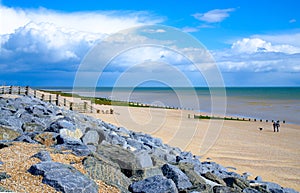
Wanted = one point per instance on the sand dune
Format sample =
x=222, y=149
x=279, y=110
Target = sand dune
x=238, y=144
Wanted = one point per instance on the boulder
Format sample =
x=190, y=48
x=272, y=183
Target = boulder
x=8, y=133
x=31, y=127
x=47, y=138
x=101, y=168
x=258, y=179
x=154, y=184
x=236, y=183
x=25, y=138
x=61, y=123
x=91, y=138
x=125, y=133
x=198, y=182
x=43, y=155
x=224, y=189
x=77, y=147
x=63, y=178
x=115, y=139
x=129, y=162
x=75, y=134
x=180, y=179
x=259, y=187
x=214, y=178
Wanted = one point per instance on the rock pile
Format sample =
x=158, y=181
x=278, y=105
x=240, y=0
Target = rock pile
x=131, y=161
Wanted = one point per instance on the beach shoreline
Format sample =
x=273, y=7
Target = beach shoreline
x=236, y=144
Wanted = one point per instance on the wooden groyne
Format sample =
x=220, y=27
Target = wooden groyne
x=71, y=103
x=231, y=118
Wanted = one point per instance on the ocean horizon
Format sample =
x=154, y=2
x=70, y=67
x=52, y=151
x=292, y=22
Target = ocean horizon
x=266, y=103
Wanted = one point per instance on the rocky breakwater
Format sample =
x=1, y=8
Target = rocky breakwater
x=130, y=161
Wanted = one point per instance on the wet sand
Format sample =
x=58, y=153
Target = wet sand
x=239, y=144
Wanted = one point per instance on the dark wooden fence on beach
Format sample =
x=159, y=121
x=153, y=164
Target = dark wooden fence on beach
x=71, y=103
x=231, y=118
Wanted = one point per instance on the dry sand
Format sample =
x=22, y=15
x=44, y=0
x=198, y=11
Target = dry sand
x=239, y=144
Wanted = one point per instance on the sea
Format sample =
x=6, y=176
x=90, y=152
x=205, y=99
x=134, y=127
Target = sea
x=266, y=103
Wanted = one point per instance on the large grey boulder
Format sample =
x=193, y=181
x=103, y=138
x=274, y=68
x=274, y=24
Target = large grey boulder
x=93, y=136
x=43, y=155
x=103, y=169
x=77, y=147
x=130, y=162
x=155, y=184
x=198, y=182
x=180, y=179
x=61, y=123
x=64, y=178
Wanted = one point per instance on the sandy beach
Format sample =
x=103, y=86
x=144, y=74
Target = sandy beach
x=239, y=145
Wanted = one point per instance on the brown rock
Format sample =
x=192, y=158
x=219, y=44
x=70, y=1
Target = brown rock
x=47, y=138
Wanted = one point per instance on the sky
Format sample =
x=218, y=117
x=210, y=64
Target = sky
x=252, y=42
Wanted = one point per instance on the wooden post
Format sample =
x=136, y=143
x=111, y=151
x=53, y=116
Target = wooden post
x=71, y=106
x=85, y=106
x=26, y=90
x=57, y=99
x=91, y=108
x=19, y=90
x=43, y=97
x=50, y=98
x=3, y=90
x=65, y=102
x=34, y=93
x=10, y=90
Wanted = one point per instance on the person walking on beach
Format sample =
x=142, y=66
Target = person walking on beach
x=274, y=126
x=277, y=126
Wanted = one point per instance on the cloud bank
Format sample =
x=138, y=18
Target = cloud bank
x=262, y=53
x=32, y=40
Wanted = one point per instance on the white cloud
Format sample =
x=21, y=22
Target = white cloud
x=292, y=38
x=293, y=21
x=256, y=54
x=94, y=22
x=213, y=16
x=34, y=39
x=252, y=45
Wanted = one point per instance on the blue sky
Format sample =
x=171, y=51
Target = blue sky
x=253, y=42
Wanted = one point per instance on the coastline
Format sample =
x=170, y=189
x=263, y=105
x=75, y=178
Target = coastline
x=236, y=144
x=266, y=103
